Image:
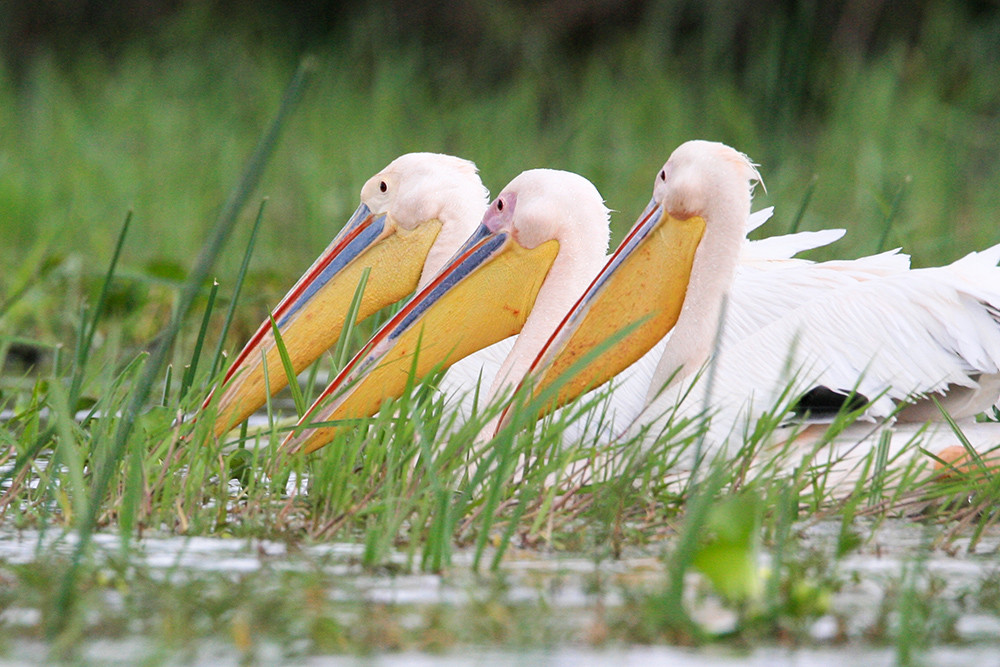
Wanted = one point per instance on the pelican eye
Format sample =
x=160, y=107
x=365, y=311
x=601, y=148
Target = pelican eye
x=663, y=174
x=499, y=204
x=382, y=186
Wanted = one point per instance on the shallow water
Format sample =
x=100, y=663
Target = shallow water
x=136, y=651
x=564, y=584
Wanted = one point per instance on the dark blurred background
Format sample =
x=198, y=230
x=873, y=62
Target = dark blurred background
x=483, y=43
x=789, y=45
x=486, y=40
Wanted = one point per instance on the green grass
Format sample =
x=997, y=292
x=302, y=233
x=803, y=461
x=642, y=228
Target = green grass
x=895, y=147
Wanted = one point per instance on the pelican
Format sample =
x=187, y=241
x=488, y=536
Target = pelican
x=412, y=217
x=756, y=256
x=540, y=244
x=499, y=362
x=873, y=329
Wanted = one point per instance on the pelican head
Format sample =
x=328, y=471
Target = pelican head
x=413, y=215
x=418, y=188
x=698, y=179
x=539, y=244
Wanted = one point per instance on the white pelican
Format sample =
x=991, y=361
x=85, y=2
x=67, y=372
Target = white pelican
x=540, y=244
x=499, y=363
x=412, y=217
x=890, y=335
x=769, y=254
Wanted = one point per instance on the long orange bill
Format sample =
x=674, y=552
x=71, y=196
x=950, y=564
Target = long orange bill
x=482, y=296
x=311, y=316
x=642, y=286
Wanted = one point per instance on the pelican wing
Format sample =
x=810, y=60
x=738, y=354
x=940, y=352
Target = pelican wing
x=768, y=287
x=892, y=337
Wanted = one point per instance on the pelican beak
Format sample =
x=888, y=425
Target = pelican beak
x=641, y=287
x=311, y=316
x=482, y=296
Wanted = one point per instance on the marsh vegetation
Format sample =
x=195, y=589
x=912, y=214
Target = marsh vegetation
x=139, y=250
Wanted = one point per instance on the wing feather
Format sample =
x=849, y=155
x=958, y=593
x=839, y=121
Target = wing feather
x=891, y=336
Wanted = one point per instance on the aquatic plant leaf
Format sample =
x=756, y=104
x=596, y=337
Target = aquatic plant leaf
x=729, y=554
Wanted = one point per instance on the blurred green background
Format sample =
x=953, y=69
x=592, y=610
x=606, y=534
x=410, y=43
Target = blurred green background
x=154, y=106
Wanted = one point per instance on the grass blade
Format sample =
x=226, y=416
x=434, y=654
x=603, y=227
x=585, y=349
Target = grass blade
x=342, y=350
x=240, y=278
x=890, y=214
x=286, y=363
x=44, y=265
x=89, y=327
x=166, y=385
x=224, y=224
x=806, y=198
x=192, y=368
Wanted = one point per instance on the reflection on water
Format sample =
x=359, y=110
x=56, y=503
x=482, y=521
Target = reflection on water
x=565, y=584
x=134, y=651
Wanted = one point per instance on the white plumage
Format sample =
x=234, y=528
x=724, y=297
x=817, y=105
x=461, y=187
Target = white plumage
x=757, y=258
x=540, y=207
x=870, y=325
